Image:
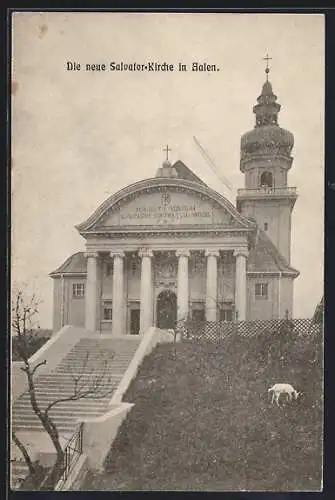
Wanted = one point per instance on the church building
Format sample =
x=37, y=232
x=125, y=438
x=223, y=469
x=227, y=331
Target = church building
x=170, y=248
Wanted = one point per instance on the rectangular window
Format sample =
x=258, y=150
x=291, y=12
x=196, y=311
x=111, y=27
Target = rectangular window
x=261, y=290
x=109, y=269
x=266, y=226
x=108, y=313
x=78, y=289
x=198, y=315
x=226, y=315
x=133, y=267
x=198, y=262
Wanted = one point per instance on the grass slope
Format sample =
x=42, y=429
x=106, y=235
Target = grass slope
x=203, y=421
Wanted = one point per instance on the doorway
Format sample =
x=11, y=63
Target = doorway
x=134, y=321
x=226, y=314
x=166, y=309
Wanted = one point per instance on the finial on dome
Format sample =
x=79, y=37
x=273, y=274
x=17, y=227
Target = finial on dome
x=167, y=149
x=267, y=69
x=166, y=162
x=167, y=170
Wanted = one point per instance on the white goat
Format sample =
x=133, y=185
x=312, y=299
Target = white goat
x=279, y=389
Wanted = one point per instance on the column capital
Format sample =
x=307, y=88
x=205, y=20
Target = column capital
x=92, y=254
x=243, y=252
x=117, y=253
x=145, y=252
x=182, y=252
x=212, y=252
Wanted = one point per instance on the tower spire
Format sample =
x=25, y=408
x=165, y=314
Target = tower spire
x=266, y=109
x=267, y=69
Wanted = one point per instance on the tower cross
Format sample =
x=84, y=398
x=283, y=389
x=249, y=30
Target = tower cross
x=167, y=149
x=267, y=69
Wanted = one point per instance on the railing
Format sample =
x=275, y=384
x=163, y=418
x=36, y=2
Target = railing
x=267, y=190
x=219, y=331
x=72, y=452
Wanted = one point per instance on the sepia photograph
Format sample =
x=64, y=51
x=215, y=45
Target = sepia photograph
x=167, y=251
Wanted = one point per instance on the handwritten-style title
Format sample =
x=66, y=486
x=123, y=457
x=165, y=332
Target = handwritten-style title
x=144, y=67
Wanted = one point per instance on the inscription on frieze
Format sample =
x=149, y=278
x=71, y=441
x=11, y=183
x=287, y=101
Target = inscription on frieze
x=168, y=208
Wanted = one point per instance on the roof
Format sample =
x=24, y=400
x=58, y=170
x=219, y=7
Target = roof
x=319, y=311
x=266, y=257
x=75, y=264
x=186, y=173
x=263, y=257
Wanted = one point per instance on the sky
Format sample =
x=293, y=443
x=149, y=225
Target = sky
x=80, y=136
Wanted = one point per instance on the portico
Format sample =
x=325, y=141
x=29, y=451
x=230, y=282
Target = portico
x=178, y=280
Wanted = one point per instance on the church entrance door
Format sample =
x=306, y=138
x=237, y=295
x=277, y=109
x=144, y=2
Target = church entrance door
x=134, y=322
x=166, y=309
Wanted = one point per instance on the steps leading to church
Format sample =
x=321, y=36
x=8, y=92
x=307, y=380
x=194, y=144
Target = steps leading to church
x=105, y=358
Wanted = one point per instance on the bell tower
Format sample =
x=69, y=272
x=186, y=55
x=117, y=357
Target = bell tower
x=265, y=161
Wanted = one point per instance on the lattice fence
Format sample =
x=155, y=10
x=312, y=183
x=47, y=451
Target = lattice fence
x=217, y=331
x=206, y=331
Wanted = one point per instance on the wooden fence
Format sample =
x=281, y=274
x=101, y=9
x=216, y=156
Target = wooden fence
x=218, y=331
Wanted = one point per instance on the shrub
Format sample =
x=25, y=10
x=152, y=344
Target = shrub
x=33, y=343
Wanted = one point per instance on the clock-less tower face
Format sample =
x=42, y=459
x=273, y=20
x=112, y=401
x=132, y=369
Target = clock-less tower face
x=265, y=162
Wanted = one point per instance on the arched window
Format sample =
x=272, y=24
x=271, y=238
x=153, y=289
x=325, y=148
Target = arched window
x=266, y=179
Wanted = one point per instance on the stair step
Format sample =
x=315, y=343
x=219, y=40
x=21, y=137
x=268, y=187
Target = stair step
x=62, y=429
x=69, y=386
x=19, y=465
x=103, y=352
x=25, y=400
x=47, y=398
x=69, y=389
x=65, y=378
x=32, y=417
x=58, y=411
x=44, y=401
x=103, y=348
x=26, y=412
x=94, y=362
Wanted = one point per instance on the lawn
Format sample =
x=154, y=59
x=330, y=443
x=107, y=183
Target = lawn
x=203, y=421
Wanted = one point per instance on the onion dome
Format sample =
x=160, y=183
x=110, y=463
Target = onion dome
x=267, y=138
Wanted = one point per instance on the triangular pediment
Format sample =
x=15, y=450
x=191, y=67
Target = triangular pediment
x=177, y=203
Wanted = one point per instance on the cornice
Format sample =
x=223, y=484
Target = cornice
x=171, y=232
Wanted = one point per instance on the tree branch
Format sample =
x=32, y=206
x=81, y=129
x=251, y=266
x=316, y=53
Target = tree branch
x=38, y=365
x=24, y=452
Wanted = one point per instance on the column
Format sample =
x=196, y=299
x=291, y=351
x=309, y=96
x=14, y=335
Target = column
x=211, y=284
x=91, y=292
x=118, y=293
x=241, y=255
x=146, y=312
x=182, y=284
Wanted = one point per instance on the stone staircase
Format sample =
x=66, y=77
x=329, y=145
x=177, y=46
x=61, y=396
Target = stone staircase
x=102, y=361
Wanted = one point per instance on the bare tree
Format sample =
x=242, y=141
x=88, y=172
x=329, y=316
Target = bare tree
x=24, y=451
x=86, y=383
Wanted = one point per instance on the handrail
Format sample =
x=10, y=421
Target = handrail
x=267, y=190
x=72, y=451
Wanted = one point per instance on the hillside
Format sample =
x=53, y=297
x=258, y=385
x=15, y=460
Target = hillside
x=203, y=421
